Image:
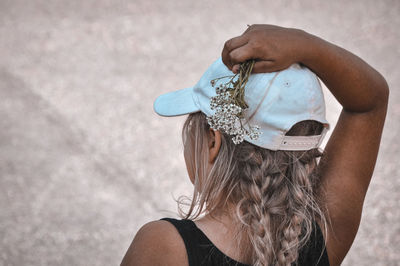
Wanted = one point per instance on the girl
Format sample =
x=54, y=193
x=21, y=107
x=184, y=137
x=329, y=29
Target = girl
x=266, y=193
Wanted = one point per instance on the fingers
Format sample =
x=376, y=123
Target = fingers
x=235, y=68
x=266, y=66
x=229, y=46
x=241, y=54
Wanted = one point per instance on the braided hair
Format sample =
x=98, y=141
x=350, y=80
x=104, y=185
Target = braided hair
x=274, y=193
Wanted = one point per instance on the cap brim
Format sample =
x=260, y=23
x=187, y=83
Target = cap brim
x=176, y=103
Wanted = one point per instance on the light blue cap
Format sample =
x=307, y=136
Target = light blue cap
x=276, y=101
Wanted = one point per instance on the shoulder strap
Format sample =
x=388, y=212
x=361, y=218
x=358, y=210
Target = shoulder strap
x=200, y=250
x=187, y=230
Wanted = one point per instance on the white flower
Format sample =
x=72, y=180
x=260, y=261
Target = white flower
x=228, y=116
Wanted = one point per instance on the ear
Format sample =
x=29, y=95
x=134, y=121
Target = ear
x=214, y=144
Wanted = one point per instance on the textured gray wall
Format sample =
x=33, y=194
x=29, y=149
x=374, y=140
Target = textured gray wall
x=84, y=161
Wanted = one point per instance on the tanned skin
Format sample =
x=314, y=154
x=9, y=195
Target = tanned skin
x=350, y=155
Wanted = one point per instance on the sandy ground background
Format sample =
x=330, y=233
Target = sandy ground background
x=84, y=161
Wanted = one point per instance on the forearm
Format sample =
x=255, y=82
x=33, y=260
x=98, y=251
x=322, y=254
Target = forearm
x=355, y=84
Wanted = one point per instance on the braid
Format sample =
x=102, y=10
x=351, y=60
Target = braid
x=274, y=193
x=255, y=208
x=276, y=202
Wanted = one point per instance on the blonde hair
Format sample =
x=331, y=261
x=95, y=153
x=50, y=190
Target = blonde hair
x=274, y=193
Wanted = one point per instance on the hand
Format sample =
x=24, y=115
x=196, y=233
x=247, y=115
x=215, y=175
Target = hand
x=274, y=48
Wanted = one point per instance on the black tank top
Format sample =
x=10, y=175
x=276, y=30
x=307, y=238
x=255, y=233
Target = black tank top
x=201, y=251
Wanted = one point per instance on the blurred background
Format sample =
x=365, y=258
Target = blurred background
x=84, y=161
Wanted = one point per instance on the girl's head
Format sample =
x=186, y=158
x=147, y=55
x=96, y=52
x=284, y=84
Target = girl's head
x=271, y=194
x=266, y=183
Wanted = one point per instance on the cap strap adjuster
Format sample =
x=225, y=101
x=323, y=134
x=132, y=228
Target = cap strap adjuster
x=297, y=143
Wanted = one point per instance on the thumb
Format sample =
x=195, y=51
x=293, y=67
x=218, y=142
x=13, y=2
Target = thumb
x=265, y=66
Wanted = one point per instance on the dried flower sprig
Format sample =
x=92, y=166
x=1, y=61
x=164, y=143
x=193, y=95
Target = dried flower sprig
x=229, y=105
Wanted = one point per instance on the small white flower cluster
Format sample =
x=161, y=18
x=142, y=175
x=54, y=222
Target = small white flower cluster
x=228, y=117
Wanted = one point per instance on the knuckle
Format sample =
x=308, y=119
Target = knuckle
x=225, y=61
x=228, y=44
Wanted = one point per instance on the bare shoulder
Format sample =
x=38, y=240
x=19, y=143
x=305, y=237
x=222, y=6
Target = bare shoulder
x=156, y=243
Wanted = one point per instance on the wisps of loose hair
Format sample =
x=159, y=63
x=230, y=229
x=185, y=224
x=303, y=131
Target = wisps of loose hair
x=274, y=193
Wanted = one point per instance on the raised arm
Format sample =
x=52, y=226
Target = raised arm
x=350, y=155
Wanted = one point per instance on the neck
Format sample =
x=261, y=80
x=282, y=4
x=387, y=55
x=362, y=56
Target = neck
x=224, y=230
